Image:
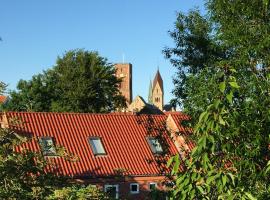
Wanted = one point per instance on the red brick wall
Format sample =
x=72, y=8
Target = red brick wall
x=124, y=71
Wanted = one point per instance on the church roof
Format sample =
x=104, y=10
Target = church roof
x=158, y=80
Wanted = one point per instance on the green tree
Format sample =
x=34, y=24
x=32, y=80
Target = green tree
x=195, y=49
x=78, y=192
x=224, y=84
x=81, y=81
x=22, y=174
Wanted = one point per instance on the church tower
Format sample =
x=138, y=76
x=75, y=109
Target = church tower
x=157, y=91
x=124, y=71
x=150, y=93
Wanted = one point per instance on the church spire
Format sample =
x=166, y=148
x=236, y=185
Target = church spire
x=158, y=80
x=150, y=100
x=157, y=91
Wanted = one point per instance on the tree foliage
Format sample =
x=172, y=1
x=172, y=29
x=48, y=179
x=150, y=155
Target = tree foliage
x=22, y=172
x=223, y=82
x=78, y=192
x=81, y=81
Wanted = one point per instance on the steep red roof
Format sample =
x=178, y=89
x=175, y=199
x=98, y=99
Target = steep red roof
x=158, y=80
x=178, y=118
x=123, y=137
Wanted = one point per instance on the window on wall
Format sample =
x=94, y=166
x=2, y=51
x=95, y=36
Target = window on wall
x=97, y=146
x=112, y=191
x=134, y=188
x=154, y=145
x=47, y=146
x=152, y=186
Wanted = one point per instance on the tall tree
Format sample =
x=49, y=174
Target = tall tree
x=195, y=49
x=81, y=81
x=223, y=82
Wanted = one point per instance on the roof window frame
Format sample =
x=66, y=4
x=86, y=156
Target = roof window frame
x=50, y=152
x=93, y=148
x=152, y=147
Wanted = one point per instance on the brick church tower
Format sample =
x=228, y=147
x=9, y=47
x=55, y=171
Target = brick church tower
x=157, y=91
x=124, y=71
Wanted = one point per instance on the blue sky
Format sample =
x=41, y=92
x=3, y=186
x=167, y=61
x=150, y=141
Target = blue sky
x=35, y=32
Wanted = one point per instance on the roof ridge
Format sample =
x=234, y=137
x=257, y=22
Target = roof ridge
x=74, y=113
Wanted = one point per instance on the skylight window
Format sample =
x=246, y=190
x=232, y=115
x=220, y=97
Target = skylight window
x=96, y=146
x=47, y=146
x=154, y=145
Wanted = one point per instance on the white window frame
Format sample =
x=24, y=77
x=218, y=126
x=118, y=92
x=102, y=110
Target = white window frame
x=153, y=147
x=93, y=148
x=117, y=189
x=138, y=188
x=152, y=183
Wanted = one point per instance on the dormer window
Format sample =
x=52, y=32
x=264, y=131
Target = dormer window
x=47, y=146
x=97, y=146
x=154, y=145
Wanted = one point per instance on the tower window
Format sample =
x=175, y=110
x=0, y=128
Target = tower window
x=154, y=145
x=47, y=146
x=96, y=146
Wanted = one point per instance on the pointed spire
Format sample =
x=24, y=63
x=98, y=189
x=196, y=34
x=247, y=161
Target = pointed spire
x=150, y=100
x=158, y=80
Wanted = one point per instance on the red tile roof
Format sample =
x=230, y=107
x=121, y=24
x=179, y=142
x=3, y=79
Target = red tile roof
x=3, y=99
x=123, y=137
x=178, y=117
